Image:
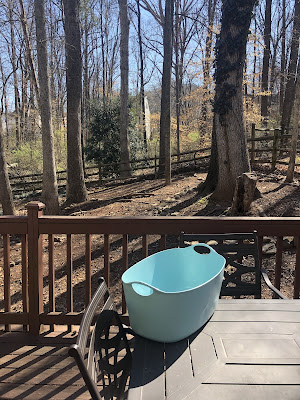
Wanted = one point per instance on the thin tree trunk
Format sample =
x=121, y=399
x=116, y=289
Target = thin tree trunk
x=289, y=97
x=142, y=89
x=177, y=77
x=165, y=115
x=14, y=68
x=5, y=190
x=283, y=60
x=125, y=168
x=50, y=190
x=293, y=151
x=266, y=60
x=207, y=64
x=76, y=190
x=33, y=76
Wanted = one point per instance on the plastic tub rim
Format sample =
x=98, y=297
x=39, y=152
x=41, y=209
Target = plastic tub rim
x=181, y=291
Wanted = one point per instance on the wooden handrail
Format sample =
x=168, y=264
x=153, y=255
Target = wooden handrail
x=33, y=228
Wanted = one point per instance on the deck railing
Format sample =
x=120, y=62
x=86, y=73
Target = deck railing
x=51, y=282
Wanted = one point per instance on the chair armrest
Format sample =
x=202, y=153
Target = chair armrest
x=269, y=284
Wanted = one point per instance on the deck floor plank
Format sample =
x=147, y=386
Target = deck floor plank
x=39, y=368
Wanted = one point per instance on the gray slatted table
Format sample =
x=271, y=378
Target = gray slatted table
x=249, y=349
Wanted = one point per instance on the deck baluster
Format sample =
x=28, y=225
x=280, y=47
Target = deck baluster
x=145, y=246
x=69, y=277
x=25, y=300
x=163, y=242
x=51, y=276
x=297, y=269
x=88, y=267
x=278, y=264
x=6, y=255
x=124, y=267
x=106, y=271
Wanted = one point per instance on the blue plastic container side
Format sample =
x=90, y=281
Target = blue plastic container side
x=172, y=293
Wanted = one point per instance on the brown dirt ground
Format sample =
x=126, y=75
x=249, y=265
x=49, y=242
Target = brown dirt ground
x=152, y=197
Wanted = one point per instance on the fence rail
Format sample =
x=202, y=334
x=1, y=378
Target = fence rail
x=47, y=282
x=265, y=148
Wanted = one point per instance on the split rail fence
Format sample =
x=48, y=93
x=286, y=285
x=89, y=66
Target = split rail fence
x=265, y=146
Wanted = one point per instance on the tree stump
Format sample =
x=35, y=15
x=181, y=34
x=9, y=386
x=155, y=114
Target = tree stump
x=245, y=192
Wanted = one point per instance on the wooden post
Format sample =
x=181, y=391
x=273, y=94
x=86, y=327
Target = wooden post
x=100, y=173
x=35, y=268
x=252, y=144
x=275, y=148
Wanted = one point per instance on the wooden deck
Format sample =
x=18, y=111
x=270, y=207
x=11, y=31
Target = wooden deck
x=39, y=368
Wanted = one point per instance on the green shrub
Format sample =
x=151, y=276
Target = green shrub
x=29, y=157
x=104, y=144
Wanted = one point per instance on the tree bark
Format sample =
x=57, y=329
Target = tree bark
x=5, y=189
x=50, y=191
x=165, y=115
x=32, y=70
x=142, y=89
x=266, y=59
x=228, y=104
x=244, y=194
x=14, y=68
x=289, y=96
x=207, y=64
x=293, y=151
x=125, y=168
x=76, y=190
x=283, y=55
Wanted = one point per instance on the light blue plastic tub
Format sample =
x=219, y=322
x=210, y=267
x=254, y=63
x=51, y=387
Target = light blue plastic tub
x=173, y=293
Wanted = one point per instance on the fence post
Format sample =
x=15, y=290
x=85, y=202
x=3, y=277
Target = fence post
x=275, y=148
x=252, y=144
x=100, y=172
x=35, y=268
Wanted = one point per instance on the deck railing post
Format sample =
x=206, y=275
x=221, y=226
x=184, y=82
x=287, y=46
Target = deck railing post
x=35, y=268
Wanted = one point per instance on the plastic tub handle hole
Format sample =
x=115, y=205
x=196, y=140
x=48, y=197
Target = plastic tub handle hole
x=202, y=249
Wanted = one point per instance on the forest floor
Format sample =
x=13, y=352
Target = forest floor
x=153, y=198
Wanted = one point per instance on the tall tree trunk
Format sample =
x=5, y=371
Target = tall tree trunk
x=289, y=96
x=103, y=55
x=76, y=190
x=283, y=55
x=293, y=151
x=32, y=71
x=5, y=190
x=125, y=168
x=14, y=68
x=165, y=114
x=228, y=105
x=266, y=59
x=177, y=76
x=142, y=89
x=207, y=64
x=50, y=191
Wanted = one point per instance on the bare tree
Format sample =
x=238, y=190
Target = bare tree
x=125, y=168
x=5, y=190
x=50, y=191
x=165, y=114
x=228, y=104
x=76, y=190
x=266, y=59
x=289, y=95
x=30, y=58
x=293, y=150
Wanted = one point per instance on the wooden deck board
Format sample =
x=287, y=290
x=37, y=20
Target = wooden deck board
x=33, y=368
